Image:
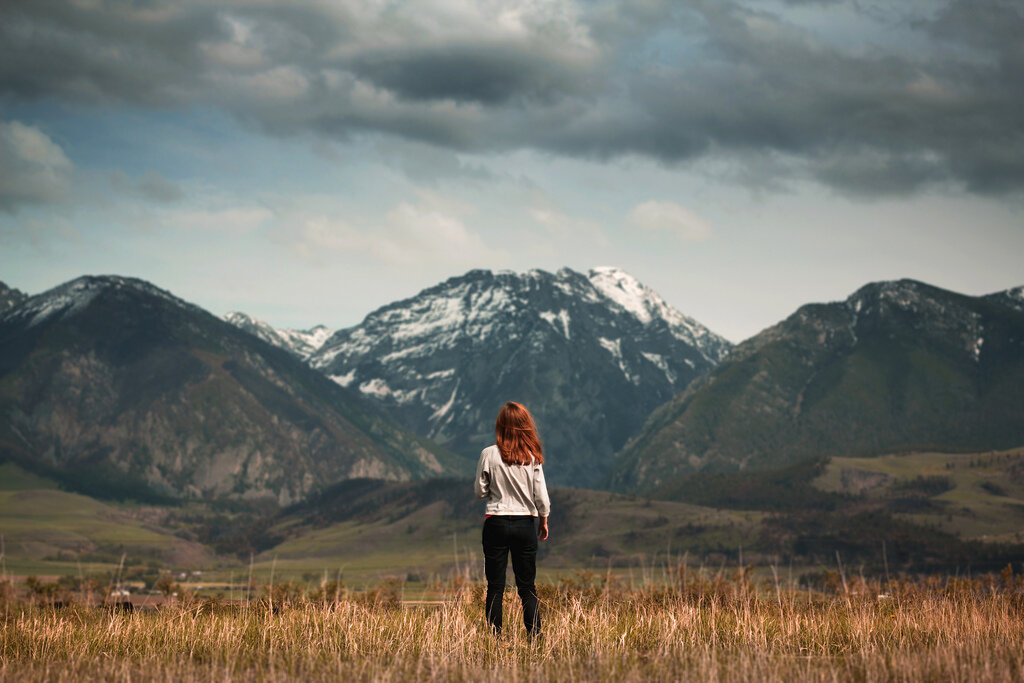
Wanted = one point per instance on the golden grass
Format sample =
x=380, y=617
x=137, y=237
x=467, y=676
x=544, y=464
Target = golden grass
x=698, y=628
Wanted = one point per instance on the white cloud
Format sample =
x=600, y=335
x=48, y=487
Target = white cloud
x=671, y=218
x=40, y=234
x=33, y=168
x=236, y=220
x=428, y=231
x=564, y=227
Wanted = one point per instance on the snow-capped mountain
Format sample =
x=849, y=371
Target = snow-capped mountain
x=591, y=355
x=73, y=297
x=301, y=343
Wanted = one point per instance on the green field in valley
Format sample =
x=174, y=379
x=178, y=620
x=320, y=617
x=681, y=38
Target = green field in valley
x=972, y=495
x=423, y=533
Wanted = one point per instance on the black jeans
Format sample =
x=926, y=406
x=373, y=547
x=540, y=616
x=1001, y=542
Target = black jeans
x=516, y=535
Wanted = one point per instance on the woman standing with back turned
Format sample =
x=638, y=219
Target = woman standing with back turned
x=511, y=477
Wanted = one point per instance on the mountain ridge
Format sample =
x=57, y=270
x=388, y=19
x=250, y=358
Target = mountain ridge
x=897, y=365
x=301, y=343
x=115, y=374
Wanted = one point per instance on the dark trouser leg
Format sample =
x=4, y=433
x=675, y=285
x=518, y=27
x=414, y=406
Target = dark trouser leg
x=523, y=546
x=495, y=560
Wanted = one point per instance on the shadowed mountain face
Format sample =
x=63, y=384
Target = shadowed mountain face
x=113, y=377
x=898, y=366
x=590, y=355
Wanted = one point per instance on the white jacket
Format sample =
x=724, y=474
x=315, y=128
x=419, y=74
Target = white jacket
x=511, y=489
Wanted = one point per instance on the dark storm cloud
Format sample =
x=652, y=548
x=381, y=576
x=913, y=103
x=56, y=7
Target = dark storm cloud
x=898, y=101
x=490, y=75
x=110, y=54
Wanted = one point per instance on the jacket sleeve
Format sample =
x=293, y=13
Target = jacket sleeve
x=540, y=492
x=482, y=483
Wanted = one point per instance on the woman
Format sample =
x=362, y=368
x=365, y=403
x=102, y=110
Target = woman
x=511, y=477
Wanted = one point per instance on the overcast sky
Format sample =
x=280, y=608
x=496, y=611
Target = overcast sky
x=306, y=161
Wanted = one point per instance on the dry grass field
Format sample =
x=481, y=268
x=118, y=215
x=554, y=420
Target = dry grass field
x=706, y=627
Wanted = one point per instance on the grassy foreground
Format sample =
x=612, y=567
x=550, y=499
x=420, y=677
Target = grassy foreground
x=725, y=628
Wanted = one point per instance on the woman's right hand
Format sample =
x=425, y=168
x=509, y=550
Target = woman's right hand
x=542, y=530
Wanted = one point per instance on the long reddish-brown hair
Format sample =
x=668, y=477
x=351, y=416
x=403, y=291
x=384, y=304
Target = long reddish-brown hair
x=517, y=435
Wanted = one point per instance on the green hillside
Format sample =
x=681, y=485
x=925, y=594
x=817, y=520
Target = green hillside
x=48, y=530
x=972, y=495
x=897, y=367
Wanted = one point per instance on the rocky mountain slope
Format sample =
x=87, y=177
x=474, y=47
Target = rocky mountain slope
x=899, y=366
x=10, y=297
x=590, y=354
x=301, y=343
x=1014, y=298
x=112, y=378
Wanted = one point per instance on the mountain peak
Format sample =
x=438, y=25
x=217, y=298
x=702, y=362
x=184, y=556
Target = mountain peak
x=626, y=291
x=568, y=344
x=648, y=307
x=902, y=294
x=1012, y=298
x=75, y=295
x=890, y=288
x=1015, y=293
x=237, y=317
x=301, y=343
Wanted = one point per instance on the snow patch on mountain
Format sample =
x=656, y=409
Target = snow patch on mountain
x=346, y=379
x=446, y=408
x=560, y=321
x=376, y=387
x=614, y=347
x=659, y=362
